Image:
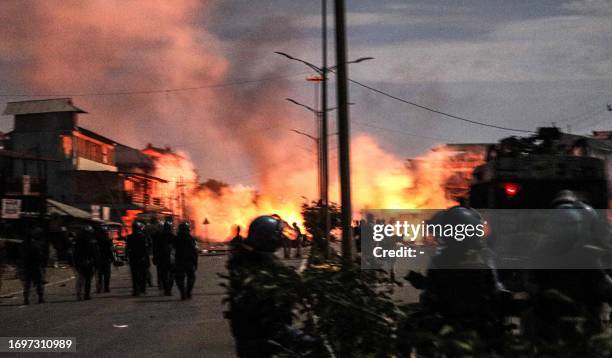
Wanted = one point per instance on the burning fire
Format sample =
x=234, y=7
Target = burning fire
x=220, y=207
x=142, y=45
x=379, y=180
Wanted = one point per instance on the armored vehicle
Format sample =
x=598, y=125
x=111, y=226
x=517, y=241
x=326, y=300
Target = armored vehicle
x=527, y=173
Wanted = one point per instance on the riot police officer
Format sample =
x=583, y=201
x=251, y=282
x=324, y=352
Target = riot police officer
x=460, y=268
x=186, y=260
x=105, y=259
x=153, y=232
x=163, y=256
x=33, y=263
x=571, y=280
x=461, y=288
x=86, y=255
x=153, y=228
x=255, y=319
x=138, y=256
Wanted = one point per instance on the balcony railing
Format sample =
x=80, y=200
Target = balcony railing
x=137, y=197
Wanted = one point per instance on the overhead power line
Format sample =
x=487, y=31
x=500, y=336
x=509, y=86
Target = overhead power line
x=153, y=91
x=249, y=81
x=399, y=131
x=430, y=109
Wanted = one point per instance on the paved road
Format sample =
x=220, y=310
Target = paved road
x=157, y=326
x=117, y=325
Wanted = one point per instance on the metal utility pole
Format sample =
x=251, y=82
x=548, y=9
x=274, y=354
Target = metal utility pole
x=317, y=143
x=181, y=198
x=343, y=132
x=324, y=160
x=316, y=80
x=323, y=136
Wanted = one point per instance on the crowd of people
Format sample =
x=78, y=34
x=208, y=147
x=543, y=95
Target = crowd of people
x=91, y=253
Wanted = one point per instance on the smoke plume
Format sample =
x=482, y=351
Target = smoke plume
x=99, y=46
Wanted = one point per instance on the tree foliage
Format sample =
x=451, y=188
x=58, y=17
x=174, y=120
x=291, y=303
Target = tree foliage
x=314, y=220
x=344, y=311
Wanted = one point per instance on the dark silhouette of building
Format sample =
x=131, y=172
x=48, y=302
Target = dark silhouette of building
x=82, y=168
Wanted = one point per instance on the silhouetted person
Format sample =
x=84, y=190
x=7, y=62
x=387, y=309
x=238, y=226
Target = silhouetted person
x=257, y=319
x=390, y=243
x=461, y=288
x=138, y=256
x=105, y=259
x=151, y=230
x=186, y=255
x=286, y=247
x=575, y=283
x=85, y=257
x=163, y=257
x=298, y=240
x=357, y=234
x=237, y=240
x=34, y=253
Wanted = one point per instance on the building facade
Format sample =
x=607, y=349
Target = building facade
x=84, y=169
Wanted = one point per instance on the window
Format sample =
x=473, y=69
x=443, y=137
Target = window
x=67, y=145
x=105, y=155
x=128, y=185
x=94, y=151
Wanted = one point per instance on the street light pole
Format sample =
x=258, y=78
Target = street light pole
x=316, y=80
x=343, y=132
x=317, y=142
x=323, y=140
x=342, y=99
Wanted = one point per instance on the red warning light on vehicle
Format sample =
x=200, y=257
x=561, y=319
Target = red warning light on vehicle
x=511, y=189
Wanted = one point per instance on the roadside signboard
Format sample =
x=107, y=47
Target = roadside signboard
x=11, y=208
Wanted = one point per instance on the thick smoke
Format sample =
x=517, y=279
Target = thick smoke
x=99, y=46
x=256, y=116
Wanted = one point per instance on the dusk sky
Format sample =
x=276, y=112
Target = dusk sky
x=518, y=64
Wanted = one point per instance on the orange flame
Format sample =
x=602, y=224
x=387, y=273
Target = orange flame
x=380, y=180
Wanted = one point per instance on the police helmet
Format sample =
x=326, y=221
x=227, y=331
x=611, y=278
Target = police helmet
x=265, y=233
x=100, y=228
x=184, y=228
x=564, y=197
x=167, y=226
x=137, y=227
x=456, y=218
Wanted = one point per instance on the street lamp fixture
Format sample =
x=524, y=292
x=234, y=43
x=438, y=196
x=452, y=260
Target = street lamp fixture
x=312, y=109
x=314, y=79
x=321, y=118
x=318, y=69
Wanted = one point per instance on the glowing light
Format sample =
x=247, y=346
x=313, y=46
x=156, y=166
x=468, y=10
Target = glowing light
x=511, y=189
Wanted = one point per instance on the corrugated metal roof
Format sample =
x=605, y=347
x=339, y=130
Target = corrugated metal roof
x=42, y=106
x=55, y=207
